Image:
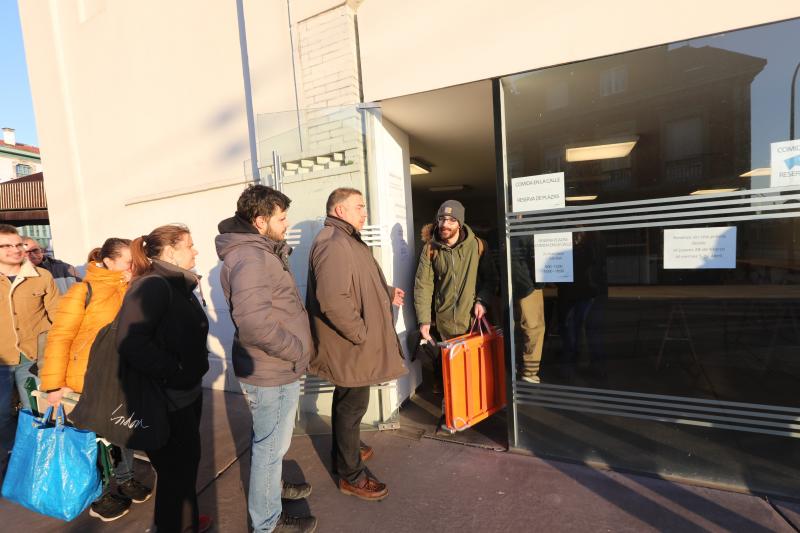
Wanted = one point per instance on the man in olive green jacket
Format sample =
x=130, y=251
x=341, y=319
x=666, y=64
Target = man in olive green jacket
x=455, y=277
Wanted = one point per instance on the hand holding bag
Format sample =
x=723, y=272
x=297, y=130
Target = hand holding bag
x=53, y=467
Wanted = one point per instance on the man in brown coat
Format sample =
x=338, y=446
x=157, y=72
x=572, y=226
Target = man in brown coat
x=350, y=306
x=28, y=300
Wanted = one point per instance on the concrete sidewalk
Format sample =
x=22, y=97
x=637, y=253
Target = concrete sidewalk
x=440, y=486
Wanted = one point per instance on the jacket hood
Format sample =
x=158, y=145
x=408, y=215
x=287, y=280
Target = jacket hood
x=236, y=224
x=228, y=241
x=97, y=274
x=174, y=272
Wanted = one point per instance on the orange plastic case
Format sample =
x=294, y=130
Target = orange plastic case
x=474, y=375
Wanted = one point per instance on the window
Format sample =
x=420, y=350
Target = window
x=636, y=336
x=557, y=95
x=23, y=170
x=683, y=138
x=614, y=81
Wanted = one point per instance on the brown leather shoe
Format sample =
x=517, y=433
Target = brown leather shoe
x=369, y=489
x=366, y=452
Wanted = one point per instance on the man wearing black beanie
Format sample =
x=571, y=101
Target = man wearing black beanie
x=455, y=278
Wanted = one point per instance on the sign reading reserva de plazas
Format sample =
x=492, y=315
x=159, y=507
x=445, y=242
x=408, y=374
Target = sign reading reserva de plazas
x=553, y=255
x=785, y=163
x=535, y=193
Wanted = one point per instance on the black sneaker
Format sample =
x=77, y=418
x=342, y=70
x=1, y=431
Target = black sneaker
x=110, y=507
x=135, y=491
x=295, y=491
x=295, y=524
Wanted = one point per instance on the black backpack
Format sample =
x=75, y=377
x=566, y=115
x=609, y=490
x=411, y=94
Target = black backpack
x=120, y=404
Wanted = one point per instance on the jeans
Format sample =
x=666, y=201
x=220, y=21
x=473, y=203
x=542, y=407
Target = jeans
x=123, y=471
x=176, y=465
x=273, y=410
x=349, y=406
x=11, y=375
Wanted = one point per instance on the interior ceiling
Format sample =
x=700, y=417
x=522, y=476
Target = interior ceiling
x=453, y=130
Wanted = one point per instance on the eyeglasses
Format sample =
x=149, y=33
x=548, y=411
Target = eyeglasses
x=35, y=251
x=19, y=246
x=447, y=219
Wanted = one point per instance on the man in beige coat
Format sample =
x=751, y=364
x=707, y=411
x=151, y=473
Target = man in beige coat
x=350, y=306
x=28, y=299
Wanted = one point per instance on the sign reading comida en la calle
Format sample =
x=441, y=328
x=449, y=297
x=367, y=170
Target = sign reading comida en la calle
x=785, y=163
x=553, y=255
x=535, y=193
x=695, y=248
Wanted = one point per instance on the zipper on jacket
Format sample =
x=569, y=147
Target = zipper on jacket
x=455, y=304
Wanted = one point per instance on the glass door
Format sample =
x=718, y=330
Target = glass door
x=654, y=275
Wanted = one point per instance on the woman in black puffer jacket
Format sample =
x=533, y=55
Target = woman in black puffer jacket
x=162, y=333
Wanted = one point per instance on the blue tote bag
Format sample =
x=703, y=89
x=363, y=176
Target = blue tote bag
x=53, y=467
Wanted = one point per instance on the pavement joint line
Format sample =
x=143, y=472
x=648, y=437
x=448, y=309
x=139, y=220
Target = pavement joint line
x=467, y=444
x=781, y=514
x=224, y=469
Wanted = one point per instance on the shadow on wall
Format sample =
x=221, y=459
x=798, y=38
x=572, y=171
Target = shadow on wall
x=300, y=237
x=221, y=328
x=403, y=269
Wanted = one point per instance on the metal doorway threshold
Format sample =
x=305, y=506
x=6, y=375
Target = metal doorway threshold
x=422, y=415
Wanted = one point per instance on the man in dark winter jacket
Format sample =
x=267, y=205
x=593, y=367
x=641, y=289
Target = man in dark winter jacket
x=351, y=310
x=271, y=347
x=455, y=278
x=63, y=273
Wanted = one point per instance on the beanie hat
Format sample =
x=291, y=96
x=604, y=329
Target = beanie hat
x=452, y=208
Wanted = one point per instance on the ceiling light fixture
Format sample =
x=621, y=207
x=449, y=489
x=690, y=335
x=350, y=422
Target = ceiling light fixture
x=711, y=191
x=763, y=171
x=587, y=198
x=446, y=188
x=609, y=149
x=418, y=166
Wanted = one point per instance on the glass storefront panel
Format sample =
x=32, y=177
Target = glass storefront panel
x=668, y=284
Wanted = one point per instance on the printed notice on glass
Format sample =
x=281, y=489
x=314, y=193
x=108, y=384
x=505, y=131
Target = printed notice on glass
x=785, y=163
x=553, y=254
x=695, y=248
x=534, y=193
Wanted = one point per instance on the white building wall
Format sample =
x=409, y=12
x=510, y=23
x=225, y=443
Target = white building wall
x=417, y=45
x=145, y=120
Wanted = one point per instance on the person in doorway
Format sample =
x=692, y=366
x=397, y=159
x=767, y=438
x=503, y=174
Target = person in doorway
x=29, y=299
x=84, y=310
x=64, y=273
x=530, y=306
x=455, y=279
x=352, y=323
x=162, y=333
x=581, y=305
x=271, y=347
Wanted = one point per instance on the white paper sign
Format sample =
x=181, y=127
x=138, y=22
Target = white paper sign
x=553, y=255
x=695, y=248
x=785, y=163
x=534, y=193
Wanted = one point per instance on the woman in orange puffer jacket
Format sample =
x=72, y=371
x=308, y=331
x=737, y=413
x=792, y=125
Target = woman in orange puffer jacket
x=79, y=318
x=76, y=324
